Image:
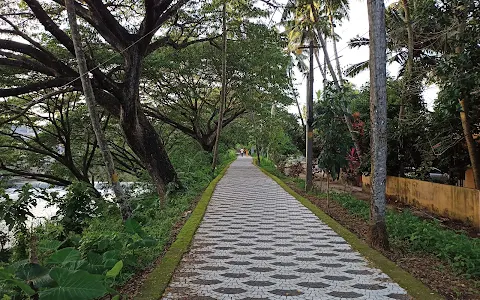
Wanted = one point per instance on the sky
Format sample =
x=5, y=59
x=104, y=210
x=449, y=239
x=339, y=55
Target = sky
x=357, y=25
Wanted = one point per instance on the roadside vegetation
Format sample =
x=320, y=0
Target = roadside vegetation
x=141, y=97
x=450, y=258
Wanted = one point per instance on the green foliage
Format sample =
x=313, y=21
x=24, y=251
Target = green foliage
x=16, y=212
x=410, y=233
x=270, y=167
x=67, y=274
x=332, y=139
x=76, y=285
x=80, y=204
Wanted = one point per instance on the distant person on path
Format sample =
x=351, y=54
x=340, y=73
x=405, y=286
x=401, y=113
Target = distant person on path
x=241, y=152
x=246, y=151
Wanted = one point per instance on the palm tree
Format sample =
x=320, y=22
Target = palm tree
x=336, y=10
x=378, y=236
x=306, y=20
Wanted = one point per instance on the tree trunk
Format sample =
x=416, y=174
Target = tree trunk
x=328, y=189
x=320, y=66
x=224, y=84
x=309, y=136
x=464, y=113
x=335, y=52
x=378, y=236
x=407, y=82
x=143, y=139
x=90, y=100
x=472, y=148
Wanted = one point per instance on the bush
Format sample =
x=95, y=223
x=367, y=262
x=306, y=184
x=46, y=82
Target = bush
x=411, y=233
x=77, y=207
x=97, y=241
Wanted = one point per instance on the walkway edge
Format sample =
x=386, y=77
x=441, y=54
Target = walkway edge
x=158, y=280
x=413, y=286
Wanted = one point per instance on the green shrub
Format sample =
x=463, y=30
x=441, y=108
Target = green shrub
x=102, y=241
x=77, y=207
x=411, y=233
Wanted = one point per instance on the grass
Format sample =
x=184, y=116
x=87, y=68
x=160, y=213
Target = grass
x=411, y=233
x=158, y=279
x=413, y=286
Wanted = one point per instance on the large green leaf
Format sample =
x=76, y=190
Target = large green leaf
x=95, y=263
x=23, y=286
x=7, y=276
x=65, y=256
x=74, y=285
x=110, y=258
x=49, y=245
x=133, y=227
x=34, y=273
x=113, y=272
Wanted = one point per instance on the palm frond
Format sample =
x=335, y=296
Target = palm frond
x=358, y=41
x=355, y=69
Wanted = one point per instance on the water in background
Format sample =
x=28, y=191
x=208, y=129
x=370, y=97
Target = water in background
x=43, y=211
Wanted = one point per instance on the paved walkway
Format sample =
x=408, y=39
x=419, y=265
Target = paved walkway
x=258, y=242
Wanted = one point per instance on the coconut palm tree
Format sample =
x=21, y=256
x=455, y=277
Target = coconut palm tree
x=378, y=117
x=307, y=20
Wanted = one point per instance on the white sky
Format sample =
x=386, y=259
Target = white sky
x=357, y=25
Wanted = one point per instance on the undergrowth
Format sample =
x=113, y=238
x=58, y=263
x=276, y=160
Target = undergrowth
x=103, y=250
x=408, y=232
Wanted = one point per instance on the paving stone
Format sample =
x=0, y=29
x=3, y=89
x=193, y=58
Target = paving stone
x=345, y=294
x=230, y=290
x=369, y=286
x=286, y=292
x=259, y=283
x=257, y=242
x=235, y=275
x=205, y=281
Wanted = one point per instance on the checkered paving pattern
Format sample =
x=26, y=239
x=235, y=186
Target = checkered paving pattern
x=258, y=242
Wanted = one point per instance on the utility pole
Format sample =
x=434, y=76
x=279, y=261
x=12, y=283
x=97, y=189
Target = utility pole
x=224, y=85
x=309, y=137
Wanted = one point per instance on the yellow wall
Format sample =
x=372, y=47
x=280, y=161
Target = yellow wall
x=469, y=182
x=445, y=200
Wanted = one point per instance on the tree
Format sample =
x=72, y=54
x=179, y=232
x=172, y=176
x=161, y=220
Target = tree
x=183, y=86
x=309, y=19
x=378, y=117
x=48, y=142
x=116, y=88
x=90, y=101
x=333, y=137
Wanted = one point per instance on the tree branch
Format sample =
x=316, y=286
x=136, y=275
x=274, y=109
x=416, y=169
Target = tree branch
x=50, y=25
x=51, y=179
x=34, y=87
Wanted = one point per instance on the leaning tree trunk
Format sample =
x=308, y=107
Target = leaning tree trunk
x=464, y=114
x=378, y=236
x=407, y=82
x=224, y=85
x=472, y=148
x=90, y=100
x=335, y=52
